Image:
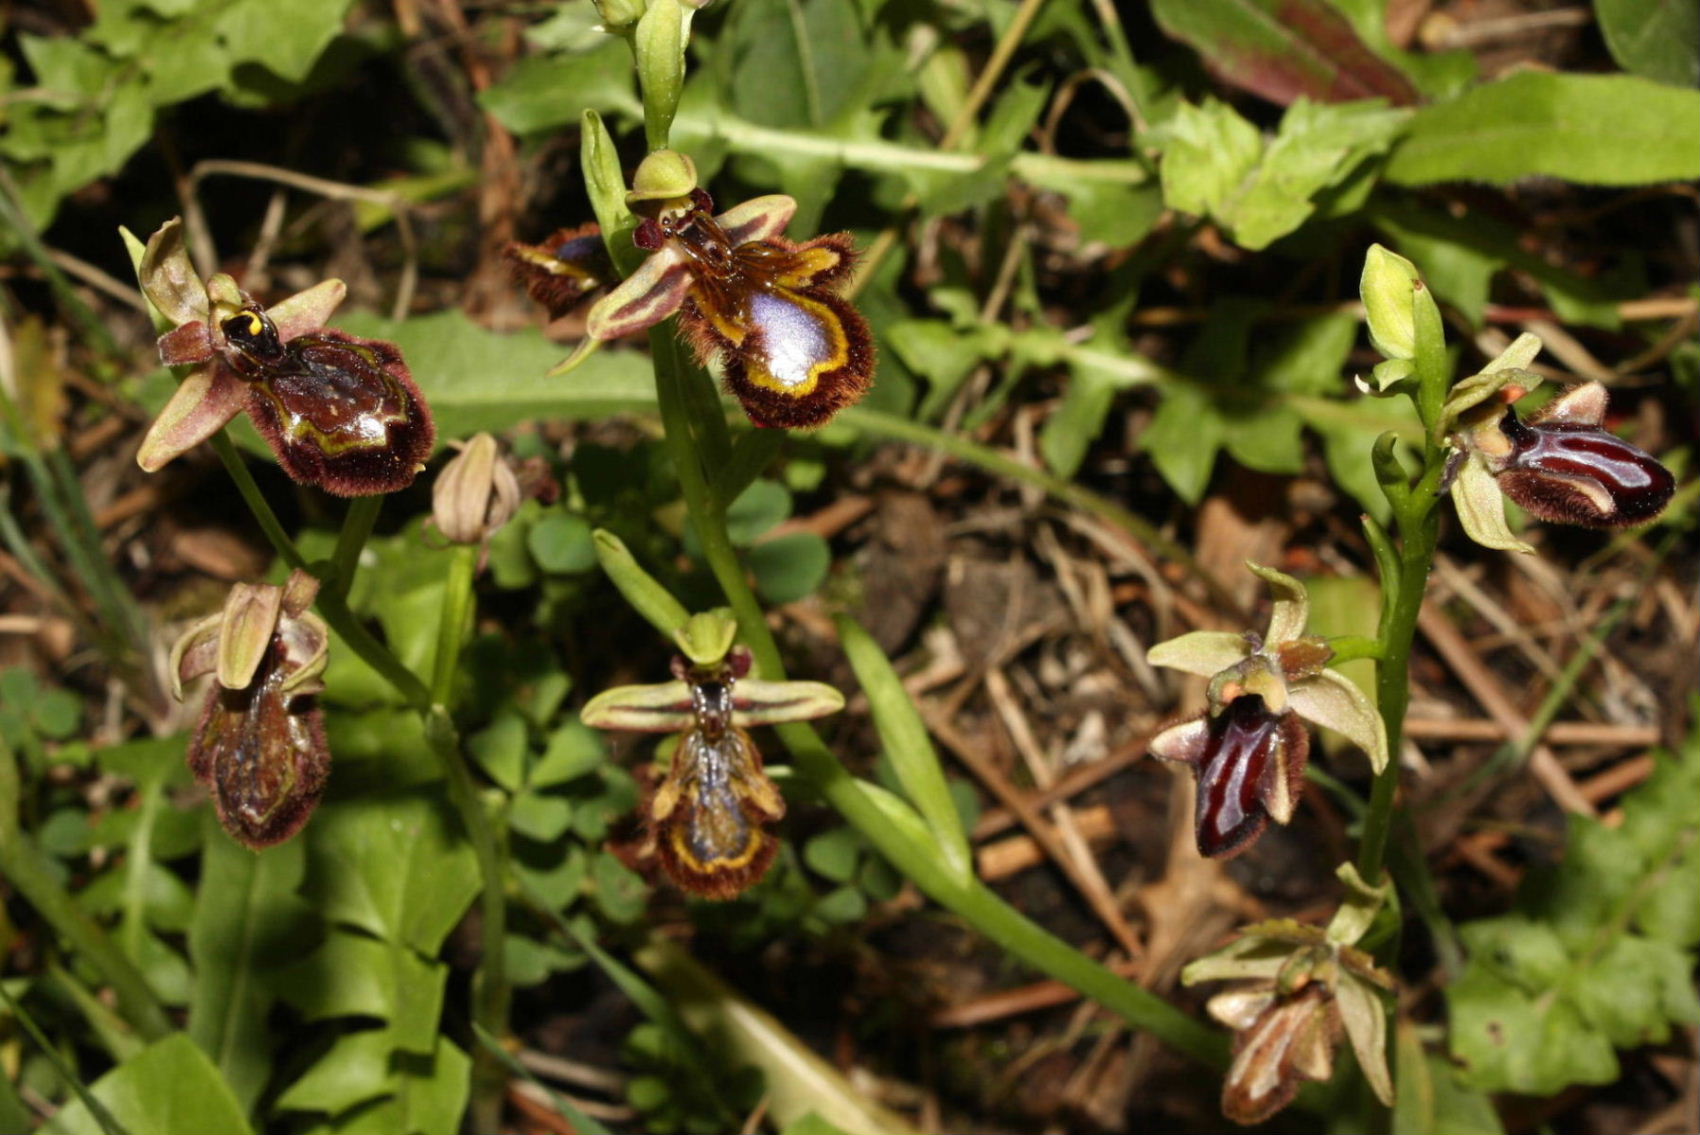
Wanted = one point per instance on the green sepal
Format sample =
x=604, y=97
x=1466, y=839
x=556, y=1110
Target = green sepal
x=646, y=595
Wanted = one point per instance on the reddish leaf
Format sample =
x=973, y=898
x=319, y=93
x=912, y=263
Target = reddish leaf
x=1284, y=49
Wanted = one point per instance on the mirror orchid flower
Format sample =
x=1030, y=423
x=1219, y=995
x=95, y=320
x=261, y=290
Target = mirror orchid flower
x=793, y=351
x=1300, y=987
x=708, y=821
x=338, y=411
x=1248, y=749
x=1560, y=463
x=260, y=745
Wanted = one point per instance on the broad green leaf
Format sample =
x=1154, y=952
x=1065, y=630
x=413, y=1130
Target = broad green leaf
x=1209, y=156
x=790, y=567
x=1216, y=163
x=396, y=865
x=834, y=853
x=1283, y=50
x=812, y=50
x=547, y=92
x=1183, y=439
x=500, y=748
x=541, y=816
x=356, y=1069
x=560, y=543
x=1656, y=39
x=284, y=39
x=248, y=922
x=427, y=1098
x=1598, y=954
x=573, y=750
x=353, y=975
x=1544, y=124
x=480, y=380
x=169, y=1088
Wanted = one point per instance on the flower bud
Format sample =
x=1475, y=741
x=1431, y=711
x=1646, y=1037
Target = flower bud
x=617, y=15
x=475, y=494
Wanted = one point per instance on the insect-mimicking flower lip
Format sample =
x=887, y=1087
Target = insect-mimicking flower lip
x=1561, y=465
x=338, y=411
x=794, y=351
x=1248, y=750
x=709, y=818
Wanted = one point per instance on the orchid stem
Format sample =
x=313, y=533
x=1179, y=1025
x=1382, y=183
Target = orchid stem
x=351, y=541
x=1417, y=519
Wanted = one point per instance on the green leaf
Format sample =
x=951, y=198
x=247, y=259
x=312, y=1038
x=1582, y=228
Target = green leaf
x=833, y=854
x=573, y=750
x=1536, y=123
x=1183, y=438
x=540, y=816
x=247, y=923
x=790, y=567
x=169, y=1088
x=480, y=380
x=395, y=865
x=757, y=509
x=356, y=1069
x=1430, y=1098
x=353, y=975
x=1656, y=39
x=618, y=891
x=1599, y=952
x=284, y=39
x=907, y=746
x=500, y=749
x=547, y=92
x=1216, y=163
x=560, y=543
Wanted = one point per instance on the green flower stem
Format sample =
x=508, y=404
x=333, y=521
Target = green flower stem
x=1350, y=648
x=962, y=893
x=351, y=541
x=256, y=500
x=452, y=628
x=1418, y=522
x=30, y=872
x=491, y=991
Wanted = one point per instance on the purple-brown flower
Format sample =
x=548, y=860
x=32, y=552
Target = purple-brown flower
x=338, y=411
x=794, y=351
x=1562, y=465
x=1248, y=750
x=260, y=746
x=708, y=821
